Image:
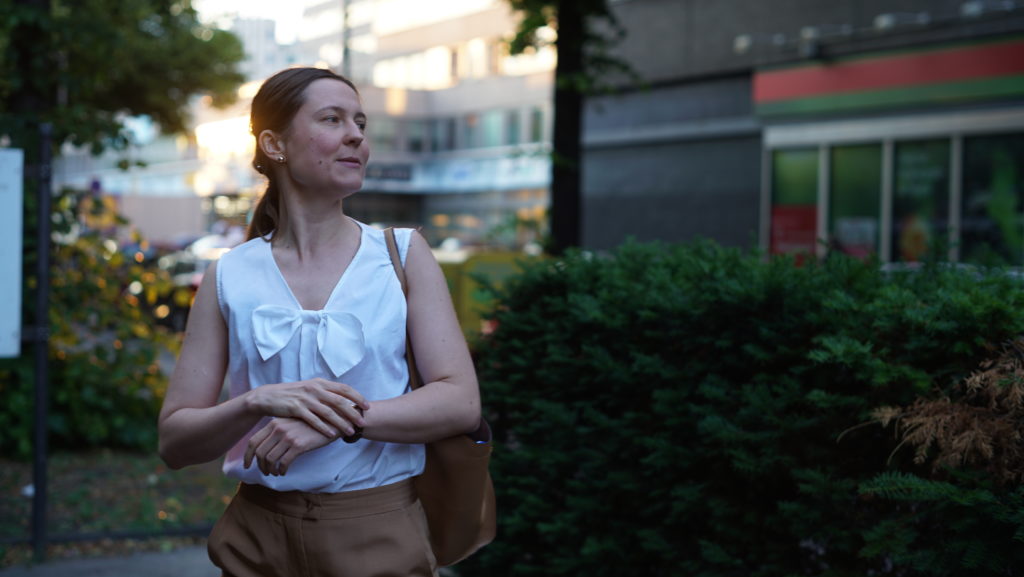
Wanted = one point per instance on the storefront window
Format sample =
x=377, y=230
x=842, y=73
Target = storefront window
x=992, y=229
x=856, y=181
x=920, y=213
x=794, y=200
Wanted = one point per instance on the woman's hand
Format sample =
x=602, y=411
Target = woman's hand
x=277, y=444
x=328, y=407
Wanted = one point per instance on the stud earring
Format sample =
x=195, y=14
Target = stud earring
x=280, y=158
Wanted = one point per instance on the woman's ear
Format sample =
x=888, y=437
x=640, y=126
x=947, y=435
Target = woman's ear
x=271, y=144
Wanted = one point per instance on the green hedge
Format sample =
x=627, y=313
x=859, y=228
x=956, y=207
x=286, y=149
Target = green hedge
x=681, y=410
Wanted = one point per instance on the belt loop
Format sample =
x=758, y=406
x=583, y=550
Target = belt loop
x=314, y=506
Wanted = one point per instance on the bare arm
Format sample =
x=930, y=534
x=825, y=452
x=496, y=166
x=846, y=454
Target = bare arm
x=449, y=401
x=193, y=428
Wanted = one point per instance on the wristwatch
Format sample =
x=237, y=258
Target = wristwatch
x=359, y=430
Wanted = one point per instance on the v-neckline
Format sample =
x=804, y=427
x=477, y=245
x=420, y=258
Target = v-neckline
x=337, y=285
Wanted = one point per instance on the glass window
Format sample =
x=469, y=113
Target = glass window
x=794, y=200
x=855, y=202
x=536, y=124
x=491, y=128
x=442, y=134
x=993, y=200
x=471, y=129
x=920, y=212
x=512, y=127
x=382, y=131
x=416, y=135
x=476, y=54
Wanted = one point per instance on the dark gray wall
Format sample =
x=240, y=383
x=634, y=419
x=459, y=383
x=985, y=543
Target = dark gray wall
x=673, y=163
x=673, y=192
x=668, y=40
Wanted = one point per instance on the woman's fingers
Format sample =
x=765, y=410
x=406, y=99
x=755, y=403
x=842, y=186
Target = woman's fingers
x=323, y=420
x=349, y=395
x=255, y=441
x=277, y=445
x=318, y=396
x=271, y=460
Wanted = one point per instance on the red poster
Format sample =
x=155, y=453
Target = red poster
x=794, y=228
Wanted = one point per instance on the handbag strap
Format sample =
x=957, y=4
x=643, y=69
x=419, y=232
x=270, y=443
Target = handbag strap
x=396, y=261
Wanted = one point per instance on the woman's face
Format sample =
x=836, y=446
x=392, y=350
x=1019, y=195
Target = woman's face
x=325, y=145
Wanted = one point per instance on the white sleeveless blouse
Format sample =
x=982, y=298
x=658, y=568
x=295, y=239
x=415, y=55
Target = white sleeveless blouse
x=358, y=338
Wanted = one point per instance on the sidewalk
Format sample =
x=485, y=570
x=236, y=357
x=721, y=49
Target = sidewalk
x=184, y=562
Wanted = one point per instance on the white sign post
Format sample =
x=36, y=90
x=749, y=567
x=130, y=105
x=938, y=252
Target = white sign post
x=11, y=171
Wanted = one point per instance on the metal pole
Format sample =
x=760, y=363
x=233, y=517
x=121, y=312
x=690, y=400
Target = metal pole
x=42, y=339
x=346, y=65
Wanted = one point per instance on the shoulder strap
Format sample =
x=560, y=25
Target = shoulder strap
x=396, y=262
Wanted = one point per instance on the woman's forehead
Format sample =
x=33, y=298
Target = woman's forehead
x=327, y=92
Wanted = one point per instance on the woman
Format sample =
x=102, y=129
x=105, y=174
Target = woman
x=309, y=321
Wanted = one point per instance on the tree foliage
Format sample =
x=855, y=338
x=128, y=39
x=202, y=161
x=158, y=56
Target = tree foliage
x=599, y=33
x=85, y=66
x=976, y=425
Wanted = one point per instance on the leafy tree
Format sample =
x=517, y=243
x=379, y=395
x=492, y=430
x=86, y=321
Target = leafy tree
x=83, y=67
x=583, y=59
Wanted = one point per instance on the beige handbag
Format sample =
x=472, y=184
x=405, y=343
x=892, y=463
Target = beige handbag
x=455, y=488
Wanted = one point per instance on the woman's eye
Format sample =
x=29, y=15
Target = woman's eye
x=332, y=119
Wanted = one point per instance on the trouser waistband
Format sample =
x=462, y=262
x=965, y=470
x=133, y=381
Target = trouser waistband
x=342, y=505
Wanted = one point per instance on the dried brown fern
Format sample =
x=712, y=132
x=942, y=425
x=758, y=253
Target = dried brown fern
x=977, y=425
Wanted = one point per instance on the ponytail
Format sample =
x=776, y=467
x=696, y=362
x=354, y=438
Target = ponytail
x=265, y=216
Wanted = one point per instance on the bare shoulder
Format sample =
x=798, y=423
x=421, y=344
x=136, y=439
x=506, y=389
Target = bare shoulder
x=420, y=259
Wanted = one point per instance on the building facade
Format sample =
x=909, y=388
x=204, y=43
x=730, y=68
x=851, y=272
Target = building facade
x=459, y=130
x=864, y=126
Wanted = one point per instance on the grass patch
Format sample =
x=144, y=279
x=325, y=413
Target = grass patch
x=105, y=492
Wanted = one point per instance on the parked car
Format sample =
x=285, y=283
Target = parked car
x=186, y=268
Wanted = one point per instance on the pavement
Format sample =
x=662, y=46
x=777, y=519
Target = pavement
x=184, y=562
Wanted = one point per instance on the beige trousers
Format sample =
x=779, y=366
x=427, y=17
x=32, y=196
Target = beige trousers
x=368, y=533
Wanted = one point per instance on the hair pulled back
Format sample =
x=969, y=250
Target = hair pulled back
x=273, y=108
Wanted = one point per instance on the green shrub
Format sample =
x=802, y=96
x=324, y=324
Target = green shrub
x=106, y=383
x=677, y=410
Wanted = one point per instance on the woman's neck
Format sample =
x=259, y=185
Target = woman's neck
x=310, y=231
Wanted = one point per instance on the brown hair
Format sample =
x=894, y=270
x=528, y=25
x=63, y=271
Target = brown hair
x=273, y=108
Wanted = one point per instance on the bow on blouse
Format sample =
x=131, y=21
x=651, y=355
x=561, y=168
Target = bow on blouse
x=339, y=335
